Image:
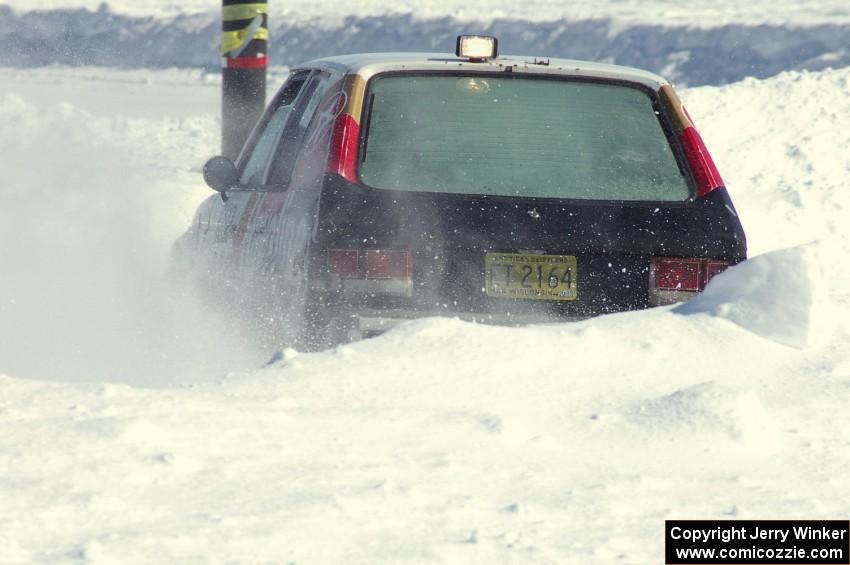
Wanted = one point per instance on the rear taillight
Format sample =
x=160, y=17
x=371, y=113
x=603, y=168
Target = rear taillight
x=345, y=263
x=674, y=279
x=342, y=158
x=383, y=264
x=373, y=271
x=372, y=264
x=714, y=268
x=675, y=274
x=706, y=175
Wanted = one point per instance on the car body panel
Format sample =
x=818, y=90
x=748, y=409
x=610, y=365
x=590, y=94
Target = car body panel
x=613, y=243
x=367, y=65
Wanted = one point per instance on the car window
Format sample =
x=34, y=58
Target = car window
x=313, y=153
x=293, y=135
x=273, y=125
x=518, y=136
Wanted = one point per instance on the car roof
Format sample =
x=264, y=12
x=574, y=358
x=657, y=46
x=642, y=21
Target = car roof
x=368, y=64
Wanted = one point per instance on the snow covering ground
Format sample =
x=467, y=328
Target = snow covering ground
x=704, y=13
x=439, y=442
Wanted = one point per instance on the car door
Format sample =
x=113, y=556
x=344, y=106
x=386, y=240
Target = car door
x=213, y=246
x=278, y=222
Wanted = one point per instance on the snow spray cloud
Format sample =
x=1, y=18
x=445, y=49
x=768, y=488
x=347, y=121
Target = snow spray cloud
x=90, y=207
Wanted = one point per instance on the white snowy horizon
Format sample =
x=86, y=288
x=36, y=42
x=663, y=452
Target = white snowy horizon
x=697, y=13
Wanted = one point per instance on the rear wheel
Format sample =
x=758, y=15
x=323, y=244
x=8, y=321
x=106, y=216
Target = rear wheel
x=310, y=317
x=321, y=326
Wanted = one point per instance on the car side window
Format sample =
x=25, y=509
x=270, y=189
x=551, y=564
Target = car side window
x=294, y=134
x=274, y=124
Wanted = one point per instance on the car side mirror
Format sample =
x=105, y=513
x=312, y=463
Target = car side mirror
x=220, y=174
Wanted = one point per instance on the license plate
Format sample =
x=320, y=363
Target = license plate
x=530, y=276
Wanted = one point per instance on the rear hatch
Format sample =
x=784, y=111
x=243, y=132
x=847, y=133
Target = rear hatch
x=512, y=195
x=455, y=246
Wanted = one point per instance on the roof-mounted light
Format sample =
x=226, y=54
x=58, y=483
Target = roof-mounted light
x=477, y=47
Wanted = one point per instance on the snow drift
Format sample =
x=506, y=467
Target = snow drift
x=679, y=48
x=779, y=295
x=711, y=409
x=696, y=13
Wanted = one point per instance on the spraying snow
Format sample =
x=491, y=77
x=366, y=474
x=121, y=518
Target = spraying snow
x=92, y=204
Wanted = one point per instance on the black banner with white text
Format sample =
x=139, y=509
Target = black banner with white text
x=757, y=542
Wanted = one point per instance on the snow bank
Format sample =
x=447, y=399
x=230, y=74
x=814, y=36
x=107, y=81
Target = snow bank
x=779, y=295
x=683, y=53
x=440, y=442
x=695, y=13
x=783, y=147
x=709, y=408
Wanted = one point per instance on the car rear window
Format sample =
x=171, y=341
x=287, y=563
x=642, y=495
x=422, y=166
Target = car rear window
x=518, y=136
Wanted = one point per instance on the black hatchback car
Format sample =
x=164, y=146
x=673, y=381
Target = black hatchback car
x=381, y=187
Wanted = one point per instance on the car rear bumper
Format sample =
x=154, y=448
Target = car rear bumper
x=375, y=322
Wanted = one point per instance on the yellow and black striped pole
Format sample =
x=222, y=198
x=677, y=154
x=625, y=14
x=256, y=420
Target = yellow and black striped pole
x=244, y=45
